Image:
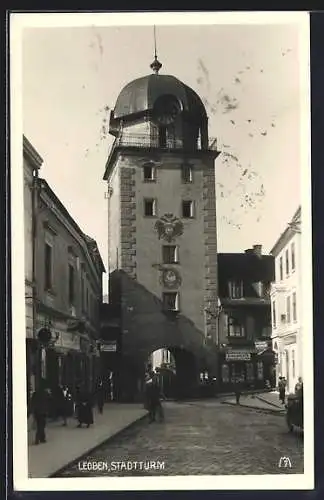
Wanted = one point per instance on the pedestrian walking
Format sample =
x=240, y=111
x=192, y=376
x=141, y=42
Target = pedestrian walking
x=39, y=409
x=84, y=409
x=100, y=395
x=282, y=389
x=299, y=386
x=237, y=390
x=65, y=404
x=152, y=397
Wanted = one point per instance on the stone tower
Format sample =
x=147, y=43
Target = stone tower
x=162, y=207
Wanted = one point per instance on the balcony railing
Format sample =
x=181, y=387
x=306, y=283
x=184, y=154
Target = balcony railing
x=149, y=141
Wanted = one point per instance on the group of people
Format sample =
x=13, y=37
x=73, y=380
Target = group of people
x=58, y=402
x=153, y=395
x=282, y=385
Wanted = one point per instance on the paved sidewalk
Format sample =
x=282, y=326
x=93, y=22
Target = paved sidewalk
x=272, y=398
x=256, y=402
x=65, y=444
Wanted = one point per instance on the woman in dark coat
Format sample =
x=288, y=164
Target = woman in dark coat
x=84, y=409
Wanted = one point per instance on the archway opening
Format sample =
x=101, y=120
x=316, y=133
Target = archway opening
x=177, y=371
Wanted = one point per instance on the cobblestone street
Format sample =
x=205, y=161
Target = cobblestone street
x=201, y=438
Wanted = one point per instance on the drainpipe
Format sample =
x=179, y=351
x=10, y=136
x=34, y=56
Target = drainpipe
x=34, y=252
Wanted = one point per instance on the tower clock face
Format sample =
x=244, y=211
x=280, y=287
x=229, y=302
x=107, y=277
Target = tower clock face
x=166, y=109
x=171, y=278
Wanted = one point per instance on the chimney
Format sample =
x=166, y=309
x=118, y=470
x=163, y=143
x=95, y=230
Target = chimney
x=257, y=249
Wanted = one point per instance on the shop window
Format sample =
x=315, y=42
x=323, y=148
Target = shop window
x=249, y=372
x=225, y=374
x=260, y=370
x=293, y=364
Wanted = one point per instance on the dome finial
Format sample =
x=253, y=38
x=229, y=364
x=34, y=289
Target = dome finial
x=156, y=65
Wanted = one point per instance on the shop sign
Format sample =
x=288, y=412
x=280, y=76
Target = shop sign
x=238, y=356
x=109, y=346
x=261, y=345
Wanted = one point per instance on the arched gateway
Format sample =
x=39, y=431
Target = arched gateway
x=162, y=228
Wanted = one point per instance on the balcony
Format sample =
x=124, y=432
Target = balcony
x=246, y=301
x=149, y=141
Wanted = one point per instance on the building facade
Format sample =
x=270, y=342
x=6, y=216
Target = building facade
x=67, y=294
x=31, y=165
x=245, y=318
x=286, y=299
x=162, y=213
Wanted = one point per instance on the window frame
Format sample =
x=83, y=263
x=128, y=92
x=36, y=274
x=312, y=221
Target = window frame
x=153, y=172
x=293, y=256
x=176, y=303
x=71, y=290
x=48, y=284
x=235, y=286
x=273, y=314
x=234, y=322
x=154, y=207
x=294, y=307
x=288, y=309
x=176, y=254
x=185, y=167
x=192, y=209
x=287, y=263
x=281, y=273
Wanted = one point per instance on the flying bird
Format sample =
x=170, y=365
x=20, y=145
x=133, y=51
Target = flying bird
x=251, y=135
x=272, y=125
x=233, y=122
x=264, y=133
x=237, y=80
x=245, y=172
x=261, y=70
x=249, y=121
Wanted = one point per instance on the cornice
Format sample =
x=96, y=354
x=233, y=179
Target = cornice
x=31, y=154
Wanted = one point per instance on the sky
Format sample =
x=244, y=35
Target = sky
x=248, y=77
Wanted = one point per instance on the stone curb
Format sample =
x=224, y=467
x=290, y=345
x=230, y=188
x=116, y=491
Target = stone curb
x=94, y=448
x=268, y=402
x=262, y=410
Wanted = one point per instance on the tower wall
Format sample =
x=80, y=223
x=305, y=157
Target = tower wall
x=137, y=240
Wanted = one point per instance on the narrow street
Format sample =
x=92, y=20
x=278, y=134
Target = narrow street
x=204, y=437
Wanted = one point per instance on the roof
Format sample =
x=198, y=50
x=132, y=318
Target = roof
x=245, y=266
x=140, y=95
x=292, y=228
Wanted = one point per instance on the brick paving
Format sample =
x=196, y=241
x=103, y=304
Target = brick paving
x=200, y=438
